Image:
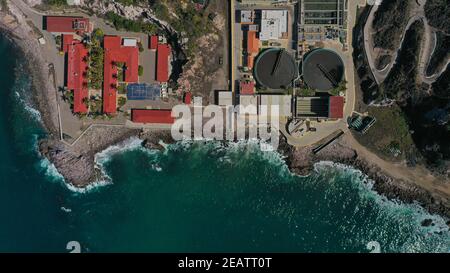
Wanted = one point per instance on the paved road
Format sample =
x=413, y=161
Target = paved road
x=428, y=45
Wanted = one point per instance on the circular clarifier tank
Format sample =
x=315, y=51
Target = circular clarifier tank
x=275, y=69
x=322, y=69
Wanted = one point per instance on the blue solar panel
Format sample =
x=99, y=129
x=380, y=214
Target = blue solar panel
x=142, y=91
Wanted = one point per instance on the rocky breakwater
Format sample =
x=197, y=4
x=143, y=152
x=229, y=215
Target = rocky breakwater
x=77, y=163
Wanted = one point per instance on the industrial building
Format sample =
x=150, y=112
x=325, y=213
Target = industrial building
x=321, y=20
x=324, y=12
x=274, y=25
x=319, y=107
x=284, y=103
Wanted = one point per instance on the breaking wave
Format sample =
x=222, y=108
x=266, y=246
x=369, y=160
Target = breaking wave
x=21, y=89
x=340, y=180
x=434, y=237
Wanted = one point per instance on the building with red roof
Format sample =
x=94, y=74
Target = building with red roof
x=252, y=48
x=252, y=42
x=247, y=88
x=115, y=53
x=187, y=98
x=67, y=24
x=162, y=63
x=336, y=107
x=67, y=39
x=76, y=72
x=153, y=42
x=163, y=116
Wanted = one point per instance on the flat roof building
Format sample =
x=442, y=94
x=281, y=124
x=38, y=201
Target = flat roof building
x=284, y=103
x=66, y=24
x=274, y=25
x=153, y=42
x=225, y=98
x=320, y=107
x=252, y=48
x=162, y=63
x=160, y=116
x=336, y=107
x=246, y=16
x=129, y=42
x=247, y=88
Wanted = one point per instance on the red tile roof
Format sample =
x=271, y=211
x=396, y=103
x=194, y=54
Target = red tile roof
x=250, y=61
x=247, y=88
x=163, y=116
x=187, y=98
x=67, y=39
x=336, y=109
x=115, y=53
x=153, y=43
x=76, y=74
x=252, y=42
x=67, y=24
x=162, y=63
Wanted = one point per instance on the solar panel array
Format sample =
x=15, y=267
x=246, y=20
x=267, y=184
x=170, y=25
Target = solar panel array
x=142, y=91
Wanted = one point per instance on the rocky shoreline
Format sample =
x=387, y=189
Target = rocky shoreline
x=301, y=161
x=77, y=164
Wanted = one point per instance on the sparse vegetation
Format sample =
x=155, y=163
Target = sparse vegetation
x=342, y=87
x=441, y=53
x=122, y=88
x=140, y=70
x=438, y=15
x=401, y=83
x=188, y=20
x=390, y=21
x=58, y=3
x=122, y=101
x=140, y=46
x=95, y=106
x=122, y=23
x=306, y=92
x=389, y=137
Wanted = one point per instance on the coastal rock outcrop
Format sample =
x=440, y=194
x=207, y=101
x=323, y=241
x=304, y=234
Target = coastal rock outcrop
x=77, y=169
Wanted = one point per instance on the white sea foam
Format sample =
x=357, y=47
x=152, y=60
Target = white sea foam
x=66, y=209
x=105, y=156
x=127, y=145
x=22, y=88
x=51, y=171
x=391, y=207
x=89, y=188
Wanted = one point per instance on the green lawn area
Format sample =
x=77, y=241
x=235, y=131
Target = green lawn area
x=389, y=137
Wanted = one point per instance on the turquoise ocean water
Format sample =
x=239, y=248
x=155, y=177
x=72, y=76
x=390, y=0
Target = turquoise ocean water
x=194, y=197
